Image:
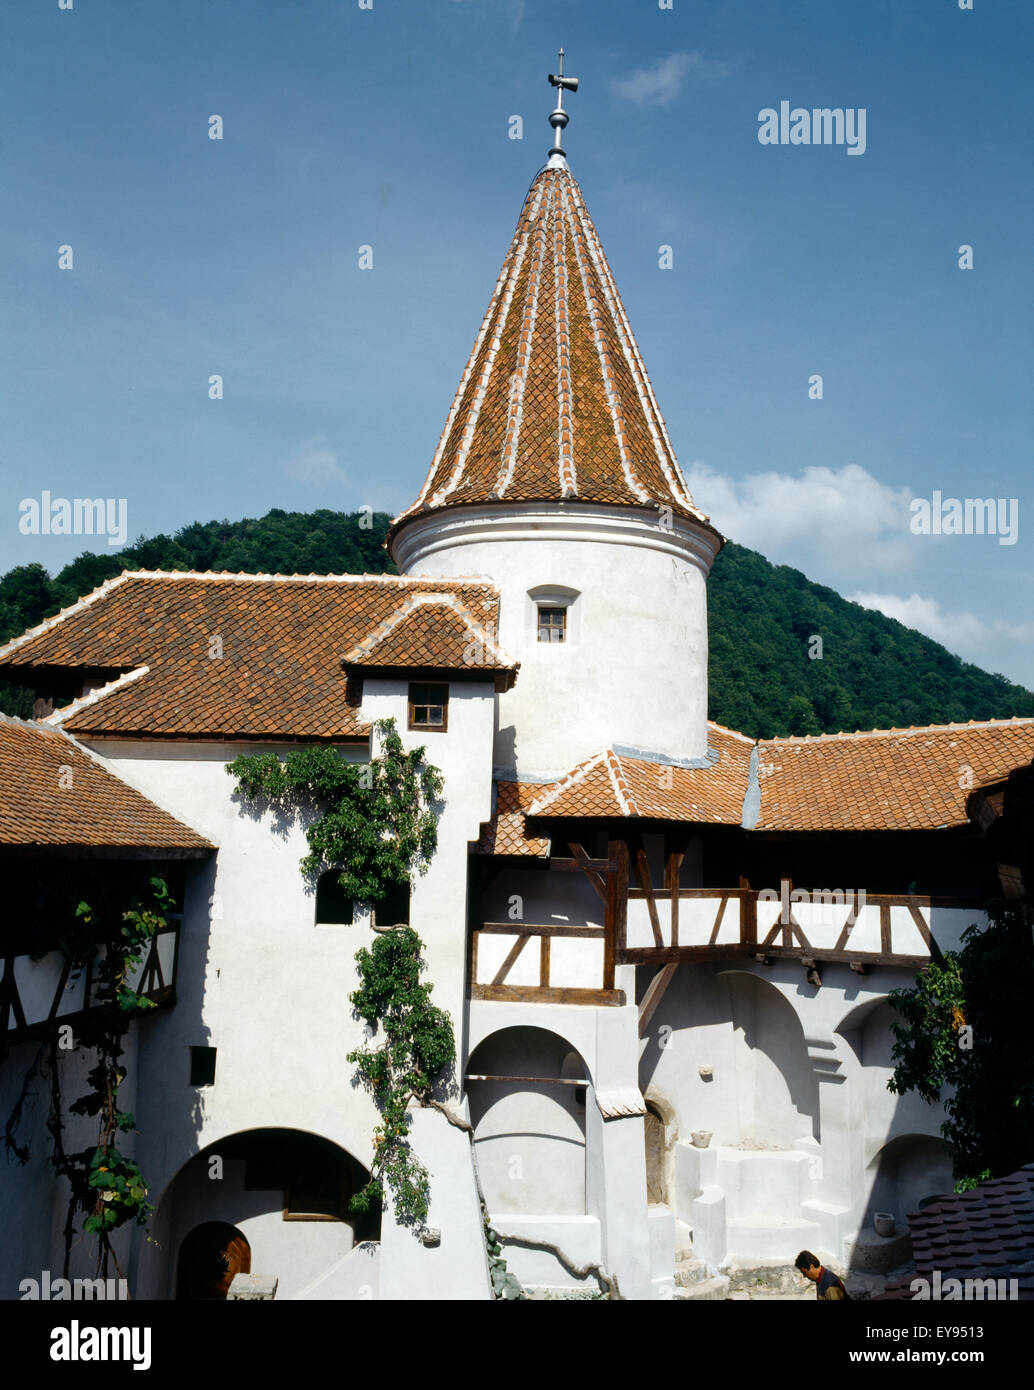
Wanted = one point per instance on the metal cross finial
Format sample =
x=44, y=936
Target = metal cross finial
x=558, y=119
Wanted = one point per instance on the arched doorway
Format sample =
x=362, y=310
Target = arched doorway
x=210, y=1255
x=656, y=1134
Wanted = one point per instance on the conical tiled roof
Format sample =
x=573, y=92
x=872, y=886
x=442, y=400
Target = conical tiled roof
x=555, y=403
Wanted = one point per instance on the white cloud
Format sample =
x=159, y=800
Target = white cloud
x=832, y=524
x=314, y=463
x=662, y=82
x=991, y=645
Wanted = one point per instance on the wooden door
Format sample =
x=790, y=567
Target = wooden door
x=209, y=1258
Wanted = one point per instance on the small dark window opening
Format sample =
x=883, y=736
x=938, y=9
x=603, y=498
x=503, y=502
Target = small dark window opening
x=428, y=706
x=332, y=905
x=552, y=624
x=202, y=1066
x=393, y=910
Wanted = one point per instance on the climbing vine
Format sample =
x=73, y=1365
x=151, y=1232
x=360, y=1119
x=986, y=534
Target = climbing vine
x=374, y=822
x=104, y=1183
x=416, y=1049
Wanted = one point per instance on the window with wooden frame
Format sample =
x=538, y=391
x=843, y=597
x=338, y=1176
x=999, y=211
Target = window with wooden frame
x=552, y=624
x=428, y=706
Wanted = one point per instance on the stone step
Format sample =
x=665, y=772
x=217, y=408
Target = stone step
x=704, y=1290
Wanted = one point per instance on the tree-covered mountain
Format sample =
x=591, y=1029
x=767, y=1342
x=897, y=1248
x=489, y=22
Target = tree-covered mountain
x=766, y=674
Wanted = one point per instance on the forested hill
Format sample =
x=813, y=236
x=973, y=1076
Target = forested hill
x=873, y=672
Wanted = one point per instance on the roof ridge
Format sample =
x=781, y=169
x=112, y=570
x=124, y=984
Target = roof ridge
x=481, y=634
x=735, y=733
x=228, y=576
x=858, y=734
x=83, y=601
x=623, y=792
x=578, y=773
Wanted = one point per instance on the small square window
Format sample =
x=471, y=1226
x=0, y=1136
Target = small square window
x=552, y=624
x=429, y=706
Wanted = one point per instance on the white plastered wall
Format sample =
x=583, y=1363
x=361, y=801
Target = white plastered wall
x=269, y=989
x=634, y=672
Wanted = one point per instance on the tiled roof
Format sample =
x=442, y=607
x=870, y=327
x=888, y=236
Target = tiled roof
x=886, y=779
x=555, y=403
x=618, y=784
x=612, y=784
x=506, y=832
x=981, y=1234
x=432, y=629
x=899, y=779
x=53, y=792
x=231, y=656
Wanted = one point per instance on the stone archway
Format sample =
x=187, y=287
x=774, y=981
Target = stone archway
x=285, y=1193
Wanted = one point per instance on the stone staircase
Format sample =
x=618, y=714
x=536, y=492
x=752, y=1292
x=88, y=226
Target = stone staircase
x=692, y=1281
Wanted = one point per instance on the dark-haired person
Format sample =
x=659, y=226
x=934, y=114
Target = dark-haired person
x=827, y=1285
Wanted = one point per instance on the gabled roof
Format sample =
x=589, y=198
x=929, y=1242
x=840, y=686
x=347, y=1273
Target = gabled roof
x=886, y=779
x=433, y=630
x=225, y=655
x=620, y=784
x=555, y=404
x=55, y=792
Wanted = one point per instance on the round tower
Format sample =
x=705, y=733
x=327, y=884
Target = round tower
x=555, y=477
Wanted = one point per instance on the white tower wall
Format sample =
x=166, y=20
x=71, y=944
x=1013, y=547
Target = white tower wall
x=632, y=671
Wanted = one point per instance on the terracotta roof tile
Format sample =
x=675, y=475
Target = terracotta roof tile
x=506, y=832
x=431, y=629
x=55, y=792
x=555, y=403
x=886, y=779
x=232, y=656
x=618, y=784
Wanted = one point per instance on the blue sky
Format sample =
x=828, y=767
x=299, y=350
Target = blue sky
x=389, y=127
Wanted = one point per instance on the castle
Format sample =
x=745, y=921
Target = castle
x=673, y=1039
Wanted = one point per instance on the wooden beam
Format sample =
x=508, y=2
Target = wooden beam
x=532, y=994
x=537, y=1080
x=713, y=938
x=885, y=940
x=595, y=870
x=514, y=951
x=643, y=870
x=654, y=993
x=544, y=941
x=537, y=929
x=653, y=955
x=672, y=872
x=748, y=913
x=617, y=908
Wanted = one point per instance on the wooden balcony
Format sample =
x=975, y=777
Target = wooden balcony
x=37, y=996
x=644, y=924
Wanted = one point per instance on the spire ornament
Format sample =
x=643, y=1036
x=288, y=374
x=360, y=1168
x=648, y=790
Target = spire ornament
x=558, y=119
